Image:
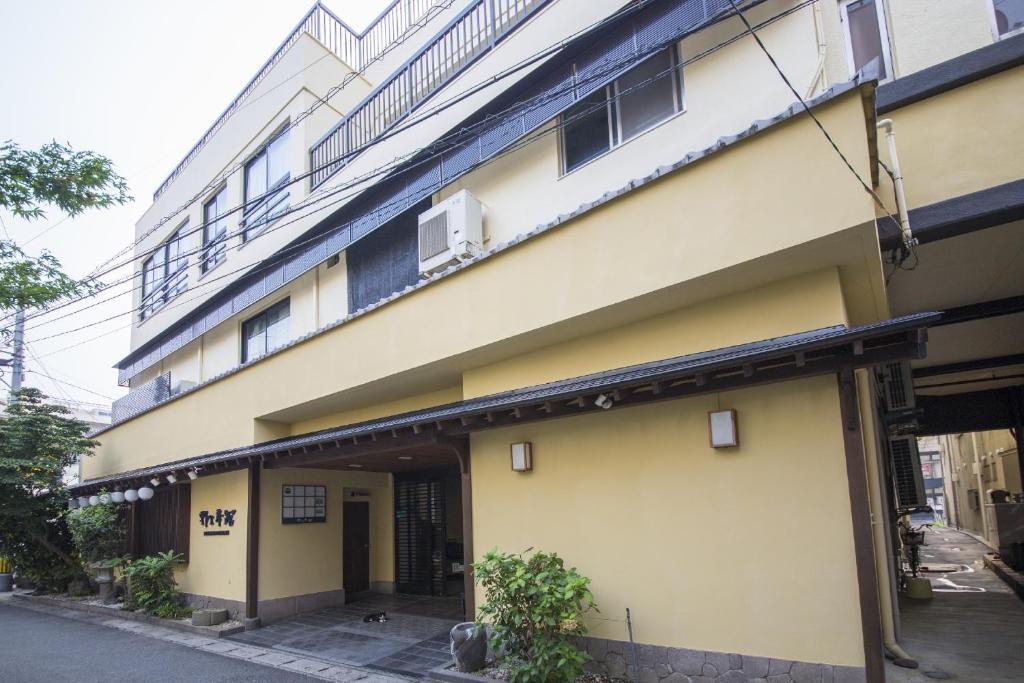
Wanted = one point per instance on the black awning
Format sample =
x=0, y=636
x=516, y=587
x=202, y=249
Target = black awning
x=804, y=354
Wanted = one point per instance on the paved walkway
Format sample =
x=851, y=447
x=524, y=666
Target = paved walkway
x=973, y=630
x=413, y=641
x=43, y=643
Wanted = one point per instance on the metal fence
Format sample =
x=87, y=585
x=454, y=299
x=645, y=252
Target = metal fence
x=474, y=31
x=355, y=49
x=141, y=398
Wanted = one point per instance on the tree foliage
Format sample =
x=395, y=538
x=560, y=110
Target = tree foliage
x=37, y=441
x=99, y=531
x=535, y=606
x=54, y=175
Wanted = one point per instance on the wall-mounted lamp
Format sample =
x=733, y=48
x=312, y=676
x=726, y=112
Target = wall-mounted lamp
x=522, y=457
x=94, y=500
x=172, y=478
x=145, y=493
x=604, y=401
x=723, y=432
x=131, y=495
x=117, y=496
x=193, y=474
x=83, y=501
x=155, y=481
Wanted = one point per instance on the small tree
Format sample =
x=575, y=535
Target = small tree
x=99, y=532
x=37, y=441
x=535, y=607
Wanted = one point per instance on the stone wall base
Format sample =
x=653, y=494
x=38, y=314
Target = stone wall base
x=235, y=608
x=282, y=608
x=659, y=664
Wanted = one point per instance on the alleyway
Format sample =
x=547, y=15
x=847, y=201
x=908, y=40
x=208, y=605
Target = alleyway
x=974, y=628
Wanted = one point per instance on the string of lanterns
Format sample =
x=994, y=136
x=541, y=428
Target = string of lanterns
x=129, y=495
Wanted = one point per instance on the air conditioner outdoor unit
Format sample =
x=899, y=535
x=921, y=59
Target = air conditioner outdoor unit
x=897, y=384
x=449, y=232
x=181, y=385
x=906, y=471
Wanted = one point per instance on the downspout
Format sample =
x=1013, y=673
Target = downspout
x=819, y=34
x=879, y=519
x=897, y=181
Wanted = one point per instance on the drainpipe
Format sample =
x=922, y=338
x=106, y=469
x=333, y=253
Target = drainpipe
x=819, y=33
x=901, y=198
x=981, y=491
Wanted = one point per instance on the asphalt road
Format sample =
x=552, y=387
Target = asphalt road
x=41, y=647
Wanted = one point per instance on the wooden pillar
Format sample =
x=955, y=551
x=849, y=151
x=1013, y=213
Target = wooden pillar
x=252, y=548
x=864, y=554
x=461, y=449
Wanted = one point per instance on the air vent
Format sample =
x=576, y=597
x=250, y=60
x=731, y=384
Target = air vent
x=906, y=471
x=434, y=236
x=450, y=232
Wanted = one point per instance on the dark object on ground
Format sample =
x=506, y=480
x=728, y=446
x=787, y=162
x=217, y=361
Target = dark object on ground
x=376, y=616
x=469, y=646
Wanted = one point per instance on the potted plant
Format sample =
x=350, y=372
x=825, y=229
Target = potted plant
x=6, y=577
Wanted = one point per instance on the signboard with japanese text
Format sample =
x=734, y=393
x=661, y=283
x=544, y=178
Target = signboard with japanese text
x=302, y=504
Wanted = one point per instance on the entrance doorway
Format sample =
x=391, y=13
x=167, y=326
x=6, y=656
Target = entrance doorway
x=356, y=547
x=428, y=532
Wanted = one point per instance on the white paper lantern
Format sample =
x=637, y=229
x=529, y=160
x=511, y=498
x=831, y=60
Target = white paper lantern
x=104, y=499
x=131, y=495
x=145, y=493
x=83, y=502
x=117, y=497
x=94, y=500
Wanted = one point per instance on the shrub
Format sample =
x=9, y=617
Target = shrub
x=152, y=588
x=99, y=531
x=535, y=607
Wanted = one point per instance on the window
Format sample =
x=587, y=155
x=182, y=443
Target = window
x=266, y=191
x=1008, y=17
x=265, y=332
x=867, y=39
x=638, y=100
x=164, y=273
x=215, y=230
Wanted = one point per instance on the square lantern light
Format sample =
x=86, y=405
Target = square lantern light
x=723, y=431
x=522, y=457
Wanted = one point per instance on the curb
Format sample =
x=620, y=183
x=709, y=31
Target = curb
x=449, y=675
x=206, y=631
x=1011, y=577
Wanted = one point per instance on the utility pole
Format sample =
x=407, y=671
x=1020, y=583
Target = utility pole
x=18, y=356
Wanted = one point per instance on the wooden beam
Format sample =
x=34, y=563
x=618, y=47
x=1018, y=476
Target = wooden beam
x=863, y=544
x=252, y=548
x=349, y=451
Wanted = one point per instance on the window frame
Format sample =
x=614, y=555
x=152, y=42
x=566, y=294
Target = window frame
x=883, y=37
x=243, y=351
x=273, y=196
x=171, y=282
x=214, y=251
x=613, y=97
x=997, y=36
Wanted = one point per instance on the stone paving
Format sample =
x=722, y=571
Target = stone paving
x=972, y=630
x=311, y=666
x=413, y=641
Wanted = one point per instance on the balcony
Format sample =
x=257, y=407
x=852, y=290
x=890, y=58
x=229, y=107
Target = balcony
x=471, y=34
x=355, y=49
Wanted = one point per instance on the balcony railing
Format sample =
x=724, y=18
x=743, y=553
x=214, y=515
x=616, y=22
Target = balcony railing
x=355, y=49
x=475, y=31
x=142, y=398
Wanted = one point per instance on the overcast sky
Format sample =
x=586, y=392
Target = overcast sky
x=137, y=81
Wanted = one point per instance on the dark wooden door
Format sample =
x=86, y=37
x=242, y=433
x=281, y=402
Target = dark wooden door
x=356, y=547
x=419, y=533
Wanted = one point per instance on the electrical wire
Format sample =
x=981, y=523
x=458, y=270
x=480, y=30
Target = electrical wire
x=522, y=142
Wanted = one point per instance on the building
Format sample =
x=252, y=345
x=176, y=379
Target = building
x=586, y=277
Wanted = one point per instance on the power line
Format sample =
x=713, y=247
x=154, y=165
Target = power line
x=46, y=372
x=518, y=145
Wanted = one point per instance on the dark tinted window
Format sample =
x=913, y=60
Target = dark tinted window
x=586, y=132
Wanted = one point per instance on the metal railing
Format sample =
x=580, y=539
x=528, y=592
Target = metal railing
x=355, y=49
x=142, y=398
x=473, y=32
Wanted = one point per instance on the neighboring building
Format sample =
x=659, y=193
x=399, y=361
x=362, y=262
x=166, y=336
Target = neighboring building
x=932, y=475
x=619, y=299
x=95, y=415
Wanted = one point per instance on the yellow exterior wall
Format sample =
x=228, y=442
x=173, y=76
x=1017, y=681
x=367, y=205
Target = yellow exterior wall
x=299, y=559
x=915, y=27
x=372, y=412
x=794, y=305
x=956, y=143
x=216, y=565
x=737, y=550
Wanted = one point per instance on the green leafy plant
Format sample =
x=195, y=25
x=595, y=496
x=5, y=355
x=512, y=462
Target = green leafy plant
x=99, y=532
x=151, y=586
x=535, y=607
x=5, y=565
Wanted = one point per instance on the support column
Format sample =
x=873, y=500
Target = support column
x=461, y=449
x=252, y=549
x=867, y=580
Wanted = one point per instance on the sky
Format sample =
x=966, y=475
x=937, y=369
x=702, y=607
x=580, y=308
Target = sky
x=139, y=82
